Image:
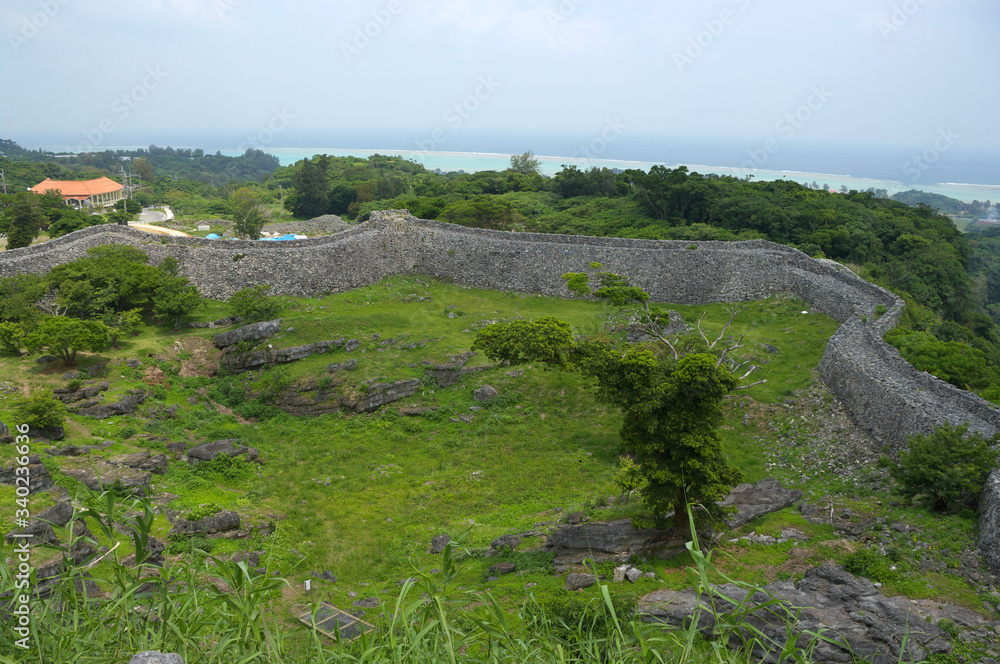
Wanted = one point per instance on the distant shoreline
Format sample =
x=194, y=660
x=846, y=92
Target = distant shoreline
x=550, y=165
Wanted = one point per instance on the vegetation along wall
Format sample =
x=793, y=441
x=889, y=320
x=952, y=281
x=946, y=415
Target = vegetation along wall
x=882, y=391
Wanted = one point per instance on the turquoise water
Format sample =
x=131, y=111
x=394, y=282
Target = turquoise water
x=483, y=161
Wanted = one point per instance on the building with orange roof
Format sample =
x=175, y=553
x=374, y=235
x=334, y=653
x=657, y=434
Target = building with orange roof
x=101, y=192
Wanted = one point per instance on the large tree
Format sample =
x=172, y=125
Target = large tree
x=671, y=408
x=248, y=208
x=65, y=336
x=525, y=164
x=311, y=188
x=23, y=220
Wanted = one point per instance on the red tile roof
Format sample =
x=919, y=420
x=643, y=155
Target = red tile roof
x=78, y=188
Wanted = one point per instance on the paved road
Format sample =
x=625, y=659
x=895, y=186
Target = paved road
x=159, y=230
x=151, y=217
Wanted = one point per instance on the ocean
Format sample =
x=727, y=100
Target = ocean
x=550, y=165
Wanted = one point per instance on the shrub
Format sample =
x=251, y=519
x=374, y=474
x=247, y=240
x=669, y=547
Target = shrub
x=871, y=565
x=39, y=411
x=254, y=304
x=201, y=511
x=947, y=469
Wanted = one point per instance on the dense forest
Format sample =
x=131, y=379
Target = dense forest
x=949, y=280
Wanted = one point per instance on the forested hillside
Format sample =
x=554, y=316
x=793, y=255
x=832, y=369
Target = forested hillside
x=951, y=284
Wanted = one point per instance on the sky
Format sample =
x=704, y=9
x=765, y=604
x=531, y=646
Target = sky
x=756, y=77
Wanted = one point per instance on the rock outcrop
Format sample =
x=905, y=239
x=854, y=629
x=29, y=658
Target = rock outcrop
x=853, y=616
x=753, y=500
x=101, y=475
x=379, y=394
x=37, y=474
x=229, y=447
x=255, y=359
x=216, y=523
x=251, y=332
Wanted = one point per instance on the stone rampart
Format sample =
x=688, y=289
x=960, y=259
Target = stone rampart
x=882, y=391
x=885, y=395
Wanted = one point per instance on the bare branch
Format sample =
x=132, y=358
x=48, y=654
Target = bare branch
x=748, y=385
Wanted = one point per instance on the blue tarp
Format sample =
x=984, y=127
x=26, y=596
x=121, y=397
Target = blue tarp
x=212, y=236
x=283, y=238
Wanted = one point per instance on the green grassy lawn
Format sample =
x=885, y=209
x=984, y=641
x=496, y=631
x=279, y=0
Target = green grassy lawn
x=362, y=495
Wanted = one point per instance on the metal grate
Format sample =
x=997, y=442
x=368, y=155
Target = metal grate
x=334, y=623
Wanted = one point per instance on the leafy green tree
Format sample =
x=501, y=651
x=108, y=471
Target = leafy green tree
x=311, y=188
x=144, y=168
x=65, y=336
x=12, y=337
x=484, y=211
x=18, y=296
x=111, y=278
x=25, y=220
x=671, y=408
x=525, y=164
x=953, y=361
x=247, y=204
x=122, y=324
x=40, y=411
x=254, y=304
x=176, y=299
x=946, y=469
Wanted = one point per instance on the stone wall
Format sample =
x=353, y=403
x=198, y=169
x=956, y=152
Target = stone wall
x=883, y=392
x=989, y=521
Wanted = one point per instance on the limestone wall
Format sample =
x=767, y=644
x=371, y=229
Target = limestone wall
x=884, y=394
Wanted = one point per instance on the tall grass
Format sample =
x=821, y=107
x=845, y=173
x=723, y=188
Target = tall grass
x=214, y=611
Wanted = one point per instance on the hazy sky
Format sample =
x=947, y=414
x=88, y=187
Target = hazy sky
x=913, y=74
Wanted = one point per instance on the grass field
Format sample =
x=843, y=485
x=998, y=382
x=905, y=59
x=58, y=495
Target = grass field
x=362, y=495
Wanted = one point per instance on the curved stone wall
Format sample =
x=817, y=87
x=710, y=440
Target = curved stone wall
x=882, y=391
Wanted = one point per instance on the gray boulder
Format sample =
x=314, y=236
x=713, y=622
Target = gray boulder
x=5, y=435
x=380, y=394
x=123, y=406
x=438, y=543
x=485, y=393
x=38, y=475
x=216, y=523
x=858, y=620
x=609, y=537
x=229, y=446
x=101, y=475
x=251, y=332
x=506, y=541
x=576, y=581
x=143, y=460
x=753, y=500
x=502, y=568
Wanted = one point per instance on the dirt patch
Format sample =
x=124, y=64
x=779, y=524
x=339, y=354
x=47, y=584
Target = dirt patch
x=153, y=375
x=198, y=356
